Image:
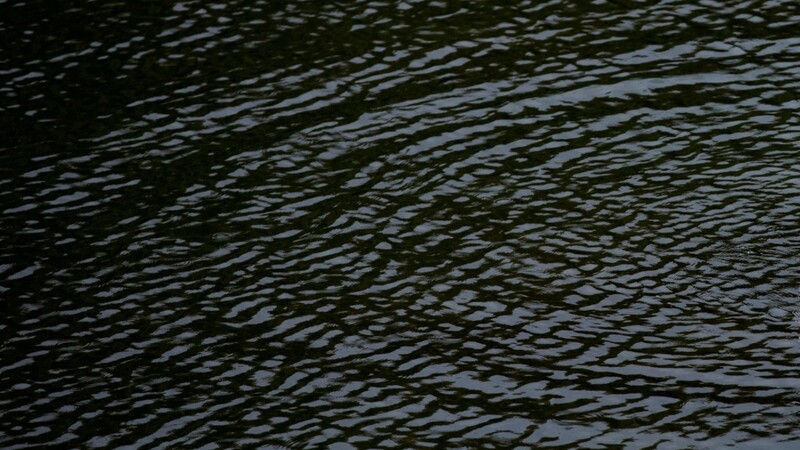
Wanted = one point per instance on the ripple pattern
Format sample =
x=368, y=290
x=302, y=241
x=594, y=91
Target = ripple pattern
x=408, y=224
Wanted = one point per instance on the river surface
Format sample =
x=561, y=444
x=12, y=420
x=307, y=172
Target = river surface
x=402, y=224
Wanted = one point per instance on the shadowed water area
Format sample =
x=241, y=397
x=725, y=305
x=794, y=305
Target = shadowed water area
x=393, y=225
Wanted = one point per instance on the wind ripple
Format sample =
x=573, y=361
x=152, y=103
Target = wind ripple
x=399, y=225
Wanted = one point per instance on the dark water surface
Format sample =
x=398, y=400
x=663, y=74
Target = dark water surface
x=430, y=224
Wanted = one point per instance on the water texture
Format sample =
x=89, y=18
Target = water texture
x=395, y=225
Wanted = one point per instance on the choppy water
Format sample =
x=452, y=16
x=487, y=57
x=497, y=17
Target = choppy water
x=303, y=224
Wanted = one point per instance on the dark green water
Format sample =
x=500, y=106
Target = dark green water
x=305, y=224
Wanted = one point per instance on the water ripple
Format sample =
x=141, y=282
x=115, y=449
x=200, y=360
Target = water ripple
x=399, y=225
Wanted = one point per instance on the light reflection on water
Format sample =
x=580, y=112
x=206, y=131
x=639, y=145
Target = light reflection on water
x=399, y=225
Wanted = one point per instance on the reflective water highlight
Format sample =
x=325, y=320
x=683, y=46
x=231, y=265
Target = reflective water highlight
x=399, y=225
